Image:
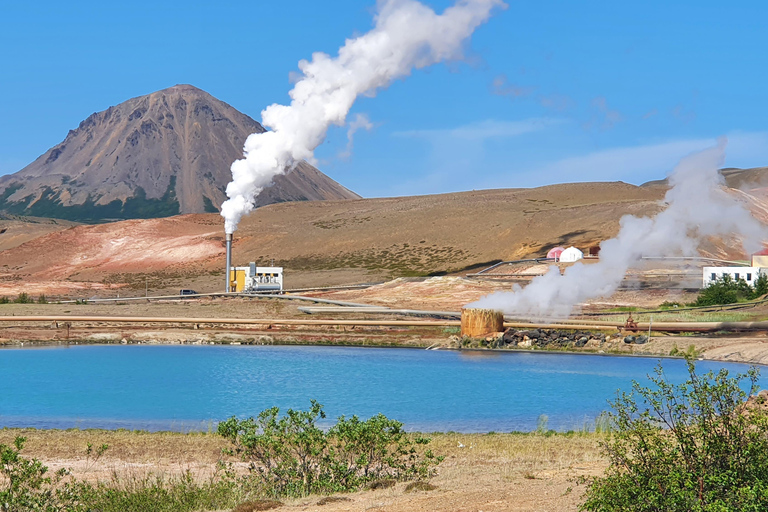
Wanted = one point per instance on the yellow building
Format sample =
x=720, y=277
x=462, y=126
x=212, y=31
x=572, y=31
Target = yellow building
x=760, y=259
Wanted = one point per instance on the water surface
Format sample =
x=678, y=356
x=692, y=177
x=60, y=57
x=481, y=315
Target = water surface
x=191, y=387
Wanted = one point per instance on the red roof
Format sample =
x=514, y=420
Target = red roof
x=764, y=252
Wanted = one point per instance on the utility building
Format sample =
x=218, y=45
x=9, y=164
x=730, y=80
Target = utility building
x=748, y=274
x=252, y=279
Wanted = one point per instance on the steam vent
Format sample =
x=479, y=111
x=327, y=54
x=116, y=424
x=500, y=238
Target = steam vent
x=481, y=322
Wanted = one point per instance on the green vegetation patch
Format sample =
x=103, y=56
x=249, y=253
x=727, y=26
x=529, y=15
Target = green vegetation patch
x=49, y=205
x=697, y=446
x=208, y=205
x=726, y=290
x=288, y=455
x=291, y=455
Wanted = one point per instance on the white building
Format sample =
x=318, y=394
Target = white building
x=570, y=255
x=749, y=274
x=252, y=279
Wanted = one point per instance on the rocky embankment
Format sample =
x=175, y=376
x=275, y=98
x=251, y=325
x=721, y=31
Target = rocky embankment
x=557, y=339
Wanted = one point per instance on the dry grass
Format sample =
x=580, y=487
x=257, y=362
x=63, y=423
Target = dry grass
x=139, y=447
x=520, y=453
x=523, y=452
x=490, y=472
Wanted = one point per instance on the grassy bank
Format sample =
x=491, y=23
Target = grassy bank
x=162, y=464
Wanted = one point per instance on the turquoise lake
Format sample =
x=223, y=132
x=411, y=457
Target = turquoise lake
x=191, y=387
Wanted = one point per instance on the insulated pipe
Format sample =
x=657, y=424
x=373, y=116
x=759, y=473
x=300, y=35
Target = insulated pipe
x=641, y=327
x=229, y=262
x=227, y=321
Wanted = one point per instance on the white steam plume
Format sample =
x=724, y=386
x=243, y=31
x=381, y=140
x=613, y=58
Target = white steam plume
x=407, y=35
x=360, y=122
x=697, y=207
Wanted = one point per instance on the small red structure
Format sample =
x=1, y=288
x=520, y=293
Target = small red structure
x=760, y=259
x=594, y=251
x=555, y=253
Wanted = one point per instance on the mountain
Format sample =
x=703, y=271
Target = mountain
x=157, y=155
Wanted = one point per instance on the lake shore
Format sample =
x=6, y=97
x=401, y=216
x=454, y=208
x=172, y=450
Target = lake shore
x=752, y=349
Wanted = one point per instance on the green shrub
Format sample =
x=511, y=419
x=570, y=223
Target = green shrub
x=292, y=456
x=26, y=484
x=4, y=300
x=760, y=285
x=726, y=290
x=688, y=447
x=23, y=298
x=42, y=300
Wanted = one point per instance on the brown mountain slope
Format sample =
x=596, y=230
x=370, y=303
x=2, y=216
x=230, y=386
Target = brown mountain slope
x=15, y=231
x=165, y=153
x=335, y=241
x=339, y=242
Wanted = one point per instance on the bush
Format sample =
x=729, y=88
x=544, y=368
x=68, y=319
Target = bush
x=42, y=300
x=689, y=447
x=726, y=290
x=292, y=456
x=23, y=298
x=760, y=285
x=26, y=486
x=4, y=300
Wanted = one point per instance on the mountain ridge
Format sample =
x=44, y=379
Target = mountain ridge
x=156, y=155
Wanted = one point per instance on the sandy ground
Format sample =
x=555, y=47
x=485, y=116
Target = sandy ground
x=499, y=472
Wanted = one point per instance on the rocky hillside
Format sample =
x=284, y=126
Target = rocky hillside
x=157, y=155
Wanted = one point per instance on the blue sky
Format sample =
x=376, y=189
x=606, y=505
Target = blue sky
x=549, y=91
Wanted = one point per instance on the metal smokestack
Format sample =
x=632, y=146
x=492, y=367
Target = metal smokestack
x=229, y=261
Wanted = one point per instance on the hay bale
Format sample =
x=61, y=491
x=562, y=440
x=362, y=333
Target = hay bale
x=476, y=323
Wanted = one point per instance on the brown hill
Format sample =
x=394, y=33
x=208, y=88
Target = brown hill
x=330, y=242
x=157, y=155
x=15, y=231
x=338, y=242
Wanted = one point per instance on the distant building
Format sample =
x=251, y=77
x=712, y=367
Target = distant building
x=570, y=255
x=749, y=274
x=555, y=253
x=760, y=259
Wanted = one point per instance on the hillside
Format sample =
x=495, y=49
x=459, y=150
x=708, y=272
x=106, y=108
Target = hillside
x=334, y=242
x=15, y=231
x=341, y=242
x=157, y=155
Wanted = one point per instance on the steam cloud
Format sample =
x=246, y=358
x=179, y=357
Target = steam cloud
x=407, y=35
x=697, y=207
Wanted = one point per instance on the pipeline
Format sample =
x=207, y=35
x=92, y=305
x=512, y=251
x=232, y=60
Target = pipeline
x=226, y=321
x=657, y=326
x=377, y=309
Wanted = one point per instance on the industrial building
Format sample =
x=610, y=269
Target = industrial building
x=748, y=274
x=252, y=279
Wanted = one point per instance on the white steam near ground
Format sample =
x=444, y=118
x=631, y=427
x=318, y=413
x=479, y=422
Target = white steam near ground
x=407, y=35
x=697, y=207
